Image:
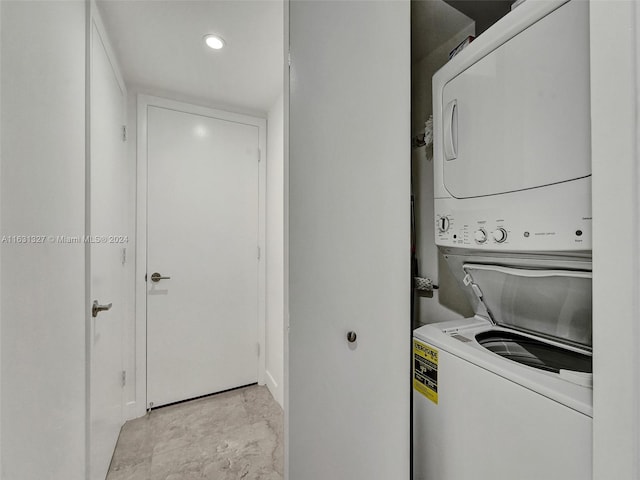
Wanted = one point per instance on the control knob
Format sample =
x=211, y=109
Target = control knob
x=480, y=236
x=443, y=224
x=500, y=235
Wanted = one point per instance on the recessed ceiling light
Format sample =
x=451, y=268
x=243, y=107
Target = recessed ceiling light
x=214, y=41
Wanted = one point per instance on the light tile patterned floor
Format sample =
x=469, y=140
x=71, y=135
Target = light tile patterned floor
x=228, y=436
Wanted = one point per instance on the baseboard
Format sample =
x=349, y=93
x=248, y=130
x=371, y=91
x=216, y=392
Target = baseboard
x=133, y=410
x=272, y=385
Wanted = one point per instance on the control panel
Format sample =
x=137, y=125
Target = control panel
x=454, y=230
x=542, y=219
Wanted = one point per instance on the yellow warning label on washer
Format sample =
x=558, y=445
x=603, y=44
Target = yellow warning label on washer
x=425, y=370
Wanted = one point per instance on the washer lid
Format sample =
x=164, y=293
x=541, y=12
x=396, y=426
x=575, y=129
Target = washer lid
x=550, y=303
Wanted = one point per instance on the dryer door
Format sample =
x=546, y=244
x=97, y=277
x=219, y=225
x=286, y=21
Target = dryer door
x=519, y=117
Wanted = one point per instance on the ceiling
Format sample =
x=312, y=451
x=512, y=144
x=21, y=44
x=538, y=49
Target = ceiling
x=159, y=44
x=433, y=22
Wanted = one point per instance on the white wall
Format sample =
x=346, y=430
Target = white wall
x=616, y=258
x=448, y=302
x=275, y=251
x=43, y=305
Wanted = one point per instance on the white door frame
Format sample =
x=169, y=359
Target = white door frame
x=143, y=102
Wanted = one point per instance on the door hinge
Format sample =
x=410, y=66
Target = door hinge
x=124, y=133
x=145, y=277
x=258, y=348
x=259, y=155
x=124, y=377
x=258, y=253
x=289, y=58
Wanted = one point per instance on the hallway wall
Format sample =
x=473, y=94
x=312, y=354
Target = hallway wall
x=43, y=304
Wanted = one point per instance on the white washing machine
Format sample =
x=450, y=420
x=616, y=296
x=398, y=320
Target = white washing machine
x=507, y=394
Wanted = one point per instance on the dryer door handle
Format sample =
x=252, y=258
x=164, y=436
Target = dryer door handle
x=451, y=130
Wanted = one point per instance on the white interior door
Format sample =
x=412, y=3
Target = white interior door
x=202, y=233
x=348, y=400
x=106, y=225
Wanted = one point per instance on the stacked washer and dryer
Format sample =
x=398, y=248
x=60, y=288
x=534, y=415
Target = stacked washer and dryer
x=507, y=394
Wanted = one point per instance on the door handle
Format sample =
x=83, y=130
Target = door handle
x=451, y=130
x=97, y=308
x=156, y=277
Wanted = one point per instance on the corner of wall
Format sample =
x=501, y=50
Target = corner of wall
x=1, y=470
x=285, y=176
x=275, y=251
